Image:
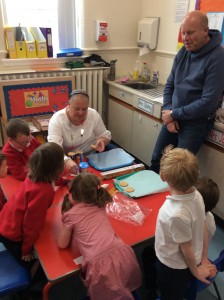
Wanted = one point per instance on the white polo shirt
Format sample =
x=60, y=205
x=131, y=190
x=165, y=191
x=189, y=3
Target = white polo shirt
x=180, y=219
x=210, y=223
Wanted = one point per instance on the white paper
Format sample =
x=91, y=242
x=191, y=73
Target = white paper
x=143, y=51
x=78, y=260
x=181, y=9
x=215, y=20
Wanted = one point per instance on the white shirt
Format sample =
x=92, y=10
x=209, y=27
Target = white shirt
x=210, y=223
x=67, y=135
x=180, y=219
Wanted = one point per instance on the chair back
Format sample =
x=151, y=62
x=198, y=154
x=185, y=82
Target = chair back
x=14, y=277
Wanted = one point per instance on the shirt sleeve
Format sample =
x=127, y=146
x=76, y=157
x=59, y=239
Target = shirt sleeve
x=37, y=204
x=55, y=130
x=100, y=129
x=180, y=229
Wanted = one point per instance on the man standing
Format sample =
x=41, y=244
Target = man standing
x=194, y=88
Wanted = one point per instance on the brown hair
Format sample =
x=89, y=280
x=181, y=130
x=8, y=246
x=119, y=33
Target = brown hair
x=46, y=163
x=210, y=192
x=16, y=126
x=2, y=157
x=86, y=188
x=66, y=204
x=179, y=167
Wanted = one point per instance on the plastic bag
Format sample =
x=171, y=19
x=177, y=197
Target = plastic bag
x=126, y=209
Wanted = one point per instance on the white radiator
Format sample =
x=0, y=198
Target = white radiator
x=87, y=79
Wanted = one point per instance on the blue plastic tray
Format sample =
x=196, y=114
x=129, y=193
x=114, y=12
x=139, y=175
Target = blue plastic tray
x=112, y=159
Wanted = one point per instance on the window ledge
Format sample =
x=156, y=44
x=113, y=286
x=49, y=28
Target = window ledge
x=8, y=62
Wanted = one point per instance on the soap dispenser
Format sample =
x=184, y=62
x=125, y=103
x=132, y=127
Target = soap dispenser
x=111, y=75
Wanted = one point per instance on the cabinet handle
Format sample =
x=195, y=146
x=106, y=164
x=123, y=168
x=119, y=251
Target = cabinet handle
x=122, y=94
x=140, y=118
x=156, y=125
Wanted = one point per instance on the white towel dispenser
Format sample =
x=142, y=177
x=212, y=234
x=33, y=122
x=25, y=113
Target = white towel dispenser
x=148, y=32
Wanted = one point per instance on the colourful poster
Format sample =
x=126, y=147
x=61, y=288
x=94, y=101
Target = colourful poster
x=36, y=98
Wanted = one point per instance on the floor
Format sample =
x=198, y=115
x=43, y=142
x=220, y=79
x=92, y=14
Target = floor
x=73, y=289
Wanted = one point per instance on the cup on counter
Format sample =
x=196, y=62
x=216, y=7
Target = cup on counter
x=83, y=167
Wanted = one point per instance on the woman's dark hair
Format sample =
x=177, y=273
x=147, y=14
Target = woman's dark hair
x=2, y=157
x=16, y=126
x=209, y=191
x=46, y=163
x=86, y=188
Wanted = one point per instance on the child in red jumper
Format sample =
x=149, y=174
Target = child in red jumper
x=18, y=148
x=23, y=216
x=3, y=173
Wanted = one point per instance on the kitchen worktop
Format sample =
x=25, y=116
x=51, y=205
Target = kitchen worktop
x=149, y=100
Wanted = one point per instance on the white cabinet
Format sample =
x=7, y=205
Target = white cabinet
x=144, y=135
x=120, y=120
x=134, y=131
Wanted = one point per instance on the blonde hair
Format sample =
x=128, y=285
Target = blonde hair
x=179, y=168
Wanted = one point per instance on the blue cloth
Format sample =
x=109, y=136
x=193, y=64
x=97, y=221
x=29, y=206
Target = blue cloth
x=193, y=92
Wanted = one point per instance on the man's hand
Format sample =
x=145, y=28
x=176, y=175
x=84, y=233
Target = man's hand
x=166, y=116
x=71, y=166
x=173, y=127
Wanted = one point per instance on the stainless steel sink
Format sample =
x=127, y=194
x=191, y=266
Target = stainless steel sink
x=138, y=85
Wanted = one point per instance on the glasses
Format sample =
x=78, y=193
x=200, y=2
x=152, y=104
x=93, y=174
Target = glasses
x=79, y=92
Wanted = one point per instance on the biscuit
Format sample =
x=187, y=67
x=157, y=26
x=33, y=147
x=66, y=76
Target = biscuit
x=71, y=154
x=93, y=146
x=129, y=189
x=123, y=183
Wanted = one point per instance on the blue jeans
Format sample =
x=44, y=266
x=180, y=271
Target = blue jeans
x=190, y=136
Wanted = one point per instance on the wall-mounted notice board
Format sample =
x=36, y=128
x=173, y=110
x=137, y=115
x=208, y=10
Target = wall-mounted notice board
x=210, y=5
x=32, y=97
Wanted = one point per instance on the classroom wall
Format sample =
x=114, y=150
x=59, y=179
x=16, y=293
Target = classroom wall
x=122, y=17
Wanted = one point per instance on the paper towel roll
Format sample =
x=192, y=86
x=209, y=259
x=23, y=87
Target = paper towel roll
x=144, y=50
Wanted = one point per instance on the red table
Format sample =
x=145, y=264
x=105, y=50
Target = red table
x=59, y=263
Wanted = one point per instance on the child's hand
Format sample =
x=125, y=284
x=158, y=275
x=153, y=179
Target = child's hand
x=213, y=270
x=28, y=257
x=204, y=272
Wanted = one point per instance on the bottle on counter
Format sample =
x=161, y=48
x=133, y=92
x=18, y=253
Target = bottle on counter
x=136, y=72
x=112, y=74
x=145, y=73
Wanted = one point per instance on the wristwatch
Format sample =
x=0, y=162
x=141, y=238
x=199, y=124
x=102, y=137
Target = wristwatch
x=171, y=114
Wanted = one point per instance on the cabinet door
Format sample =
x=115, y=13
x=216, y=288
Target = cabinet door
x=145, y=132
x=120, y=124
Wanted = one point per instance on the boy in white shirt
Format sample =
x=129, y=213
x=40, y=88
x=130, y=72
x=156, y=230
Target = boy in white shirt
x=181, y=237
x=210, y=193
